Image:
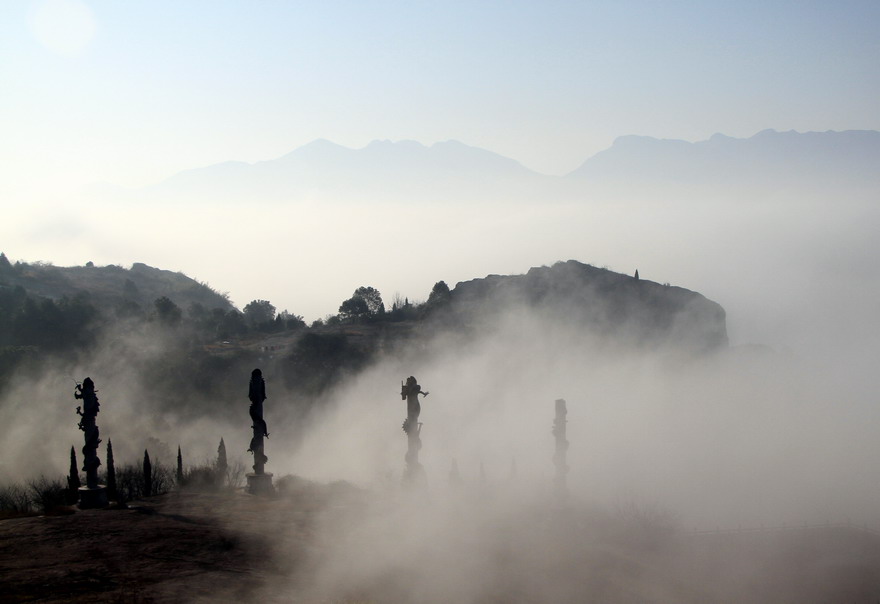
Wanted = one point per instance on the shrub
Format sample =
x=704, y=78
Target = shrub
x=15, y=499
x=48, y=495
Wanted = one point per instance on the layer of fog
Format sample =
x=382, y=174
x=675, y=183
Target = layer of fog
x=780, y=264
x=744, y=438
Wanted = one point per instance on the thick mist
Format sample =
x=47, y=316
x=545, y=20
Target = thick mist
x=776, y=430
x=661, y=444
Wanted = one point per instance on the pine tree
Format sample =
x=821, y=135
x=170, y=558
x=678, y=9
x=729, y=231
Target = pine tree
x=221, y=463
x=636, y=276
x=179, y=467
x=111, y=472
x=148, y=475
x=73, y=481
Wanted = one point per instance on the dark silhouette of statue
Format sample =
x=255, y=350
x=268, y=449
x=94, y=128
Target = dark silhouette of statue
x=410, y=392
x=257, y=394
x=88, y=413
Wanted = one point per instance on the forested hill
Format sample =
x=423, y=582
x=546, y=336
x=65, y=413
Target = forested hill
x=52, y=317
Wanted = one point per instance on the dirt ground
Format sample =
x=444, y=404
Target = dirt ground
x=186, y=547
x=233, y=547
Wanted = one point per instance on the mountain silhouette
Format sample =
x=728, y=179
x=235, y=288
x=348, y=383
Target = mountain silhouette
x=769, y=156
x=383, y=169
x=453, y=171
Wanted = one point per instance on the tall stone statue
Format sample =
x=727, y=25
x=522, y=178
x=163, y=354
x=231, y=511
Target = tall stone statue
x=259, y=482
x=93, y=494
x=410, y=392
x=560, y=457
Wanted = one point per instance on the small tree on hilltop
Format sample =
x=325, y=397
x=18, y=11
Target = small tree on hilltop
x=439, y=293
x=354, y=308
x=365, y=302
x=259, y=313
x=373, y=298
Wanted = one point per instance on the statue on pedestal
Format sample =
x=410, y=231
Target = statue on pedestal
x=257, y=394
x=260, y=482
x=89, y=413
x=559, y=457
x=93, y=494
x=410, y=392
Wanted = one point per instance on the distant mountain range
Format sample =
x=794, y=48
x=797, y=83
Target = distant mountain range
x=768, y=157
x=410, y=171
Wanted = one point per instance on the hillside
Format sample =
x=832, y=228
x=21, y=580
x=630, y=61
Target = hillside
x=110, y=285
x=583, y=297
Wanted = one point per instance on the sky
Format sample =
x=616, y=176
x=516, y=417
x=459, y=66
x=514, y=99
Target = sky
x=133, y=93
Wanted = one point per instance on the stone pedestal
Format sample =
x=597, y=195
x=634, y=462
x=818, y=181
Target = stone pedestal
x=93, y=498
x=260, y=484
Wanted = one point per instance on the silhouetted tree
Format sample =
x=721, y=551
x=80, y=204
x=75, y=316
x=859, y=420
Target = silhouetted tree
x=289, y=321
x=111, y=472
x=259, y=313
x=354, y=308
x=373, y=298
x=179, y=467
x=148, y=474
x=221, y=462
x=636, y=276
x=365, y=302
x=73, y=481
x=439, y=293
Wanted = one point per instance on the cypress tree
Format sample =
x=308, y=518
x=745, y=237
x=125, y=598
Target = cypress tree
x=221, y=463
x=73, y=482
x=179, y=467
x=148, y=474
x=111, y=472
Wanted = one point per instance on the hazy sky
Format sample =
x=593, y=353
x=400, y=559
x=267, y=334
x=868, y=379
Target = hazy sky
x=131, y=93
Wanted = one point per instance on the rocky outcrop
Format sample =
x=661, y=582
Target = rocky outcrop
x=621, y=307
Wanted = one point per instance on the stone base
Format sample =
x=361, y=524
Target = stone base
x=260, y=484
x=93, y=498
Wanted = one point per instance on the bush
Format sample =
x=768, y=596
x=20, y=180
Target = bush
x=201, y=478
x=15, y=499
x=209, y=477
x=130, y=483
x=48, y=495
